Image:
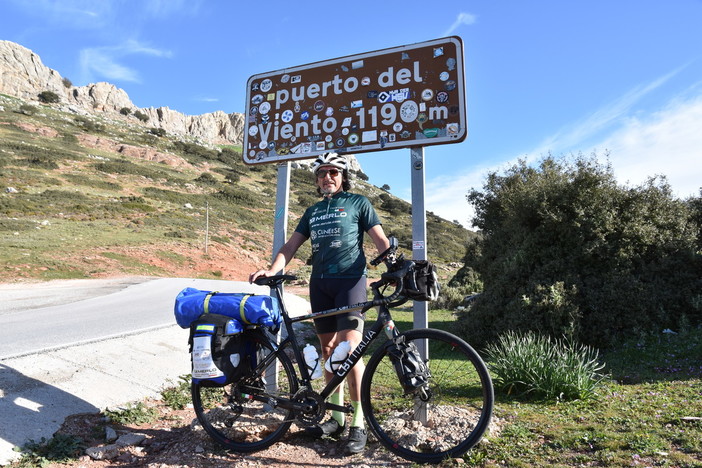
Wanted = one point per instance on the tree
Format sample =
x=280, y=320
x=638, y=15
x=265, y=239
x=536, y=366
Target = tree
x=385, y=187
x=48, y=97
x=566, y=251
x=141, y=116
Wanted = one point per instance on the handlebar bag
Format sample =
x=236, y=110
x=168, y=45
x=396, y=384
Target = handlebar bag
x=421, y=283
x=248, y=309
x=219, y=353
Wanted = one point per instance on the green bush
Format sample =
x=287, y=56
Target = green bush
x=193, y=149
x=141, y=116
x=89, y=125
x=178, y=396
x=394, y=206
x=235, y=195
x=567, y=251
x=60, y=448
x=544, y=368
x=207, y=179
x=49, y=97
x=27, y=109
x=138, y=413
x=125, y=111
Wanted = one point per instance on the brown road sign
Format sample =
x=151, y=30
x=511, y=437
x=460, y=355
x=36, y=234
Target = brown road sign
x=406, y=96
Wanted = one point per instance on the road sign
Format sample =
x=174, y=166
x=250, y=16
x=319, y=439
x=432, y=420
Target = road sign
x=407, y=96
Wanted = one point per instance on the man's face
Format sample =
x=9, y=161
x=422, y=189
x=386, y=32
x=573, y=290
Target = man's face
x=329, y=180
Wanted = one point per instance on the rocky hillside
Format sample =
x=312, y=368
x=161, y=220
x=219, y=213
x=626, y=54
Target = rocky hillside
x=23, y=75
x=87, y=191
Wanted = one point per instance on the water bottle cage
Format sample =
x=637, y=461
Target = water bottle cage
x=335, y=364
x=411, y=370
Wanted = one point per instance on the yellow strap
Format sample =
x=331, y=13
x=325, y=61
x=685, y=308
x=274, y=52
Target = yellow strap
x=241, y=309
x=206, y=305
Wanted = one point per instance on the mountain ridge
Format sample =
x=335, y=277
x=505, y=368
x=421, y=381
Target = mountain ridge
x=23, y=75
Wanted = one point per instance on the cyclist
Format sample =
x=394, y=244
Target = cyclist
x=336, y=227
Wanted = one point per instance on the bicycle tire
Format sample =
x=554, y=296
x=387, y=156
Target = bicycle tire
x=458, y=410
x=242, y=424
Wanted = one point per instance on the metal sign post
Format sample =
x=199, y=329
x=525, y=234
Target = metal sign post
x=419, y=252
x=280, y=229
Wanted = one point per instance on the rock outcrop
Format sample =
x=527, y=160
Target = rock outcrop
x=23, y=75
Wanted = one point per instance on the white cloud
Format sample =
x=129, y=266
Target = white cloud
x=575, y=135
x=667, y=142
x=445, y=196
x=105, y=61
x=80, y=14
x=461, y=19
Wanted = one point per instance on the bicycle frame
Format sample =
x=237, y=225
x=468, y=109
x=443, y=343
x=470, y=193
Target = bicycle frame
x=384, y=322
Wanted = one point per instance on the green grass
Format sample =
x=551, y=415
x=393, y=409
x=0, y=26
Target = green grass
x=135, y=413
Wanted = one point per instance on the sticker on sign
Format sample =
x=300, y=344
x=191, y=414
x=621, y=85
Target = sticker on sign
x=412, y=95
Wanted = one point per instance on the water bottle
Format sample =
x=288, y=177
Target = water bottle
x=312, y=360
x=341, y=352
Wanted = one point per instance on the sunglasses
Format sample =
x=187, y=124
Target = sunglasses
x=322, y=173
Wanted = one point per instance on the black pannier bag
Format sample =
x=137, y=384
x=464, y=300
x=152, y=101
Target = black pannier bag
x=409, y=367
x=421, y=283
x=218, y=356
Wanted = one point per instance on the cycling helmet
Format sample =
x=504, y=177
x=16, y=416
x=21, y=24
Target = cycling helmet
x=330, y=159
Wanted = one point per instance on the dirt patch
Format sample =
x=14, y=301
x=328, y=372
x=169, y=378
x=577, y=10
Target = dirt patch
x=43, y=131
x=145, y=153
x=177, y=440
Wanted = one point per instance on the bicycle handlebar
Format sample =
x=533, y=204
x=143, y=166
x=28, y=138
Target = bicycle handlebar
x=272, y=281
x=389, y=251
x=397, y=270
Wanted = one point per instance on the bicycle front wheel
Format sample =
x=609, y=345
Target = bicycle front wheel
x=445, y=417
x=235, y=418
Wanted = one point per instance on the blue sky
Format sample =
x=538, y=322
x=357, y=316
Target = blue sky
x=542, y=76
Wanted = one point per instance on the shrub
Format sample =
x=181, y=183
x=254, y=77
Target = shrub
x=544, y=368
x=178, y=397
x=60, y=448
x=66, y=83
x=207, y=179
x=193, y=149
x=89, y=125
x=49, y=97
x=125, y=111
x=362, y=176
x=141, y=116
x=133, y=414
x=27, y=109
x=238, y=196
x=159, y=132
x=565, y=250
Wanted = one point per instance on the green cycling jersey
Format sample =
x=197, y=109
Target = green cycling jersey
x=335, y=227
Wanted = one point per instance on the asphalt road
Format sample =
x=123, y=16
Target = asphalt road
x=80, y=346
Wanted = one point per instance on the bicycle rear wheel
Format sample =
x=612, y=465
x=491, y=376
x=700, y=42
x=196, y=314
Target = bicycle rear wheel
x=458, y=400
x=237, y=421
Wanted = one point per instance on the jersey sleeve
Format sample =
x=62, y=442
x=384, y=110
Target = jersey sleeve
x=303, y=226
x=368, y=216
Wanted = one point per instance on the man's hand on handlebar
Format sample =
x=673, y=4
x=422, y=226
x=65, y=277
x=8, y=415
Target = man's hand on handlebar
x=388, y=252
x=260, y=273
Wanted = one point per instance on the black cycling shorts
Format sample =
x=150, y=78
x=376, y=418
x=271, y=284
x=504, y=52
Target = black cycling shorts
x=331, y=293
